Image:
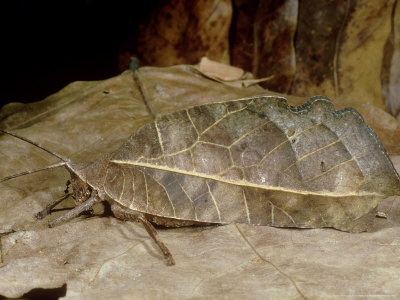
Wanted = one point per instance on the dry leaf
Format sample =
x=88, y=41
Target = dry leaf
x=346, y=50
x=262, y=40
x=219, y=71
x=339, y=50
x=102, y=257
x=227, y=74
x=181, y=32
x=391, y=81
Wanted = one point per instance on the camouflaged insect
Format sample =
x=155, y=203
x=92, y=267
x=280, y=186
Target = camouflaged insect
x=256, y=160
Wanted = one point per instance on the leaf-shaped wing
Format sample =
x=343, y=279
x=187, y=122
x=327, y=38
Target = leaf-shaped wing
x=258, y=161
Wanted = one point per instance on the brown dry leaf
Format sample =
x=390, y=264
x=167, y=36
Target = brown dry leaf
x=342, y=49
x=182, y=32
x=392, y=79
x=262, y=37
x=175, y=87
x=102, y=257
x=227, y=74
x=339, y=50
x=219, y=71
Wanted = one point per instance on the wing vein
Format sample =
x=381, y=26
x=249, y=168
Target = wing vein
x=215, y=202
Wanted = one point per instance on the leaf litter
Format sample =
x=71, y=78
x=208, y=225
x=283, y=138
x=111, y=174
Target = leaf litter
x=101, y=256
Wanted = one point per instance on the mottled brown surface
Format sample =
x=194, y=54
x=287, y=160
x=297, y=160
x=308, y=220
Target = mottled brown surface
x=316, y=46
x=181, y=32
x=343, y=49
x=266, y=48
x=391, y=70
x=103, y=257
x=256, y=161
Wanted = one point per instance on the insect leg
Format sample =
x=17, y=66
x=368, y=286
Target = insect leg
x=153, y=233
x=129, y=215
x=41, y=214
x=73, y=213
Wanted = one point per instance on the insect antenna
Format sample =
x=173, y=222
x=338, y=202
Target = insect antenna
x=60, y=164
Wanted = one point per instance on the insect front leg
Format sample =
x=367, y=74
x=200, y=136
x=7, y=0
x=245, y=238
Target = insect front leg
x=130, y=215
x=81, y=192
x=41, y=214
x=73, y=213
x=83, y=196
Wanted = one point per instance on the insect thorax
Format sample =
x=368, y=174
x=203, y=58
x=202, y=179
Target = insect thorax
x=81, y=191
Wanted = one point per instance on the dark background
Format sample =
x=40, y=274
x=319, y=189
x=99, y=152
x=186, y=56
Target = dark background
x=48, y=44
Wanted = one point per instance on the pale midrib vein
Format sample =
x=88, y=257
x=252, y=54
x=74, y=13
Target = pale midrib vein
x=241, y=182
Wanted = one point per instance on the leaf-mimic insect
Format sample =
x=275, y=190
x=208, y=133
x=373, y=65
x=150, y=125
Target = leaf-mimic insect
x=255, y=160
